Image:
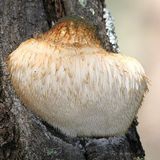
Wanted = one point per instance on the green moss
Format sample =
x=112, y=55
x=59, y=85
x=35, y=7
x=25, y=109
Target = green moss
x=83, y=2
x=51, y=152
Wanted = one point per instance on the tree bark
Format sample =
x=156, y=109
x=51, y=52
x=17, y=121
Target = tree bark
x=23, y=136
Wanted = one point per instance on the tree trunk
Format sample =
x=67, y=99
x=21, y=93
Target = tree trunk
x=23, y=136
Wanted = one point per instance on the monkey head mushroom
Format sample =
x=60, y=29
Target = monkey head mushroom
x=66, y=77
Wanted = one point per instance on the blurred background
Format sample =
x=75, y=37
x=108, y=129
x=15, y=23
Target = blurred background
x=137, y=25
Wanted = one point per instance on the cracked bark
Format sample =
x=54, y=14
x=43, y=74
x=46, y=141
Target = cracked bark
x=24, y=136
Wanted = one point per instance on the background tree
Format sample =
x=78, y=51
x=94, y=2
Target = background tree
x=24, y=136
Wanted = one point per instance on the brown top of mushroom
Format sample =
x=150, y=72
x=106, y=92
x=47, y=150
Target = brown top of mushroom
x=72, y=31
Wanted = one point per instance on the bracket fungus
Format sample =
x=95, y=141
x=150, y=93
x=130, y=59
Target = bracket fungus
x=66, y=77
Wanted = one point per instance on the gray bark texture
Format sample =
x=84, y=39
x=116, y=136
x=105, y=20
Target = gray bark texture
x=23, y=136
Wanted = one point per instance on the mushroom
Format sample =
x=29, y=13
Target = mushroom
x=66, y=77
